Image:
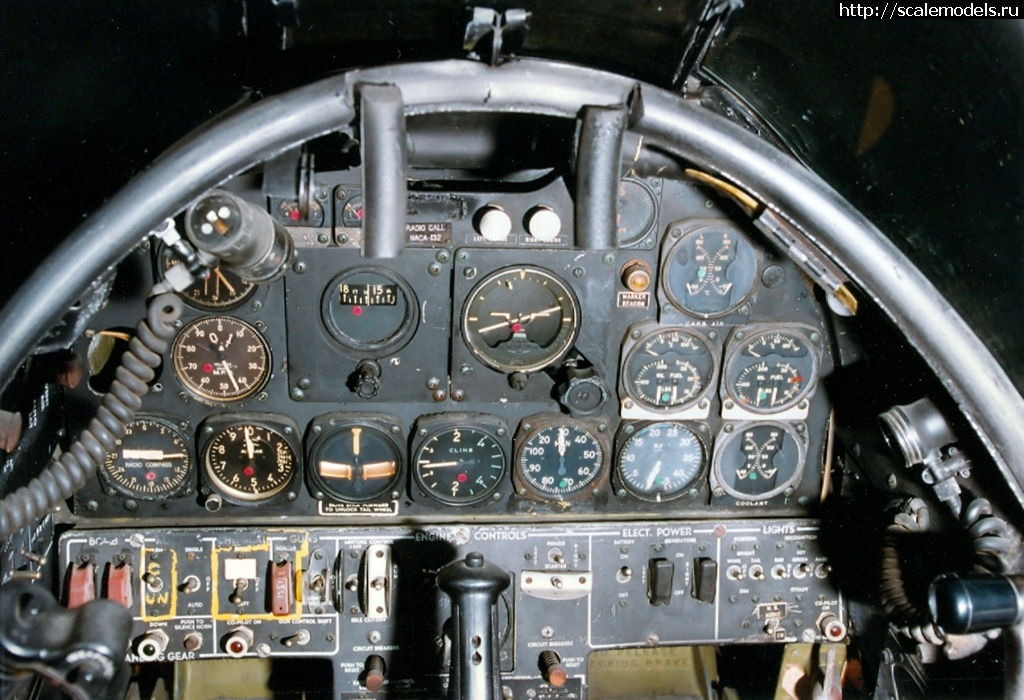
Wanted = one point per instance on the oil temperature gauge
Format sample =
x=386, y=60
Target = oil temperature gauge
x=757, y=461
x=558, y=459
x=668, y=370
x=660, y=461
x=151, y=461
x=249, y=462
x=770, y=372
x=356, y=460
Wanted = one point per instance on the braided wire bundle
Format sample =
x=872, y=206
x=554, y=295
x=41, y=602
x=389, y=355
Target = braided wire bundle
x=68, y=473
x=990, y=543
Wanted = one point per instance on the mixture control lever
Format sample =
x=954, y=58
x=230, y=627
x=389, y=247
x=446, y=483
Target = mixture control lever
x=474, y=587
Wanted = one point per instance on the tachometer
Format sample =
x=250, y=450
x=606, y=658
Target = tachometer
x=520, y=319
x=558, y=458
x=660, y=461
x=220, y=358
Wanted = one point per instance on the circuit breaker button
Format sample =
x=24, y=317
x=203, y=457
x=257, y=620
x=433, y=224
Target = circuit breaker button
x=660, y=573
x=281, y=588
x=705, y=576
x=81, y=585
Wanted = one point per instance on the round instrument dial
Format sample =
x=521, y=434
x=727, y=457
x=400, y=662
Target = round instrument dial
x=771, y=371
x=356, y=462
x=289, y=213
x=669, y=369
x=249, y=462
x=660, y=461
x=459, y=465
x=558, y=461
x=710, y=271
x=220, y=358
x=150, y=462
x=635, y=212
x=520, y=319
x=352, y=212
x=222, y=290
x=758, y=461
x=369, y=308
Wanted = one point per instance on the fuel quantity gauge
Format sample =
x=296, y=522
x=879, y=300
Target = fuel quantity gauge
x=151, y=462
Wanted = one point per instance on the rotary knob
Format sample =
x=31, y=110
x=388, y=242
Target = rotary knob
x=493, y=223
x=544, y=224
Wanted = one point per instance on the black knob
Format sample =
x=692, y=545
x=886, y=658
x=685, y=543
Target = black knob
x=474, y=586
x=976, y=602
x=582, y=392
x=367, y=379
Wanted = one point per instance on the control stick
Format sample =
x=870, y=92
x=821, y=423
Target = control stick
x=474, y=587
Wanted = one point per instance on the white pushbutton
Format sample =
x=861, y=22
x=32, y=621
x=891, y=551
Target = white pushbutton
x=494, y=224
x=544, y=224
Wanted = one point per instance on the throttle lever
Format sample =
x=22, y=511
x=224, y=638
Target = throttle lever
x=474, y=587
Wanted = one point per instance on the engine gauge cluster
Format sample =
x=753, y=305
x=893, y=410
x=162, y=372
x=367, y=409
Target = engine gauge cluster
x=668, y=371
x=769, y=372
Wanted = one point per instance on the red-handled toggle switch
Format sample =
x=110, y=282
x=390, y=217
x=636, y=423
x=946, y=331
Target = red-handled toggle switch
x=119, y=584
x=81, y=585
x=281, y=588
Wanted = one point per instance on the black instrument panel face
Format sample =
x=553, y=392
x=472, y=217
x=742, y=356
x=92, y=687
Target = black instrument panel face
x=478, y=376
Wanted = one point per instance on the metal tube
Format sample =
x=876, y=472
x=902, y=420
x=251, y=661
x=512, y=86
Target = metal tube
x=383, y=147
x=597, y=175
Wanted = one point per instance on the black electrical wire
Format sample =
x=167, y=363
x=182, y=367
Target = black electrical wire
x=69, y=472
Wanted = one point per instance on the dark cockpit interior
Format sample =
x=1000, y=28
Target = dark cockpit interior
x=535, y=350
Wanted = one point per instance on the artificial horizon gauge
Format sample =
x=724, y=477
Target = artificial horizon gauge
x=248, y=462
x=668, y=370
x=636, y=212
x=221, y=359
x=757, y=461
x=769, y=372
x=709, y=271
x=356, y=461
x=660, y=461
x=520, y=319
x=150, y=462
x=558, y=458
x=369, y=309
x=221, y=290
x=459, y=465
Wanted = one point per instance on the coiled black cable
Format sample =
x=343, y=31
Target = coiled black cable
x=69, y=472
x=989, y=540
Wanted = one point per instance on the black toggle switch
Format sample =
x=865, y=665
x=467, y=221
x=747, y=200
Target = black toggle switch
x=705, y=575
x=659, y=581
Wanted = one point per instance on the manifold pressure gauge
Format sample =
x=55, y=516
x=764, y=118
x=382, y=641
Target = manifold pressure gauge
x=520, y=319
x=221, y=359
x=459, y=463
x=660, y=461
x=771, y=371
x=356, y=459
x=249, y=462
x=558, y=458
x=667, y=371
x=152, y=461
x=757, y=461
